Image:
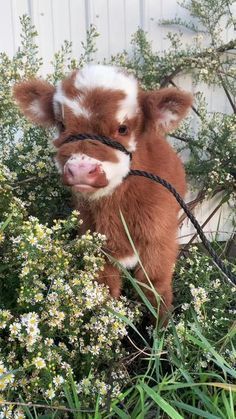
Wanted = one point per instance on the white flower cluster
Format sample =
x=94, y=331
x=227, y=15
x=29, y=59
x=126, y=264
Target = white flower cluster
x=200, y=297
x=62, y=317
x=26, y=331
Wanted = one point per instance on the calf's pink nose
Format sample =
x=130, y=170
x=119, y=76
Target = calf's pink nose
x=84, y=173
x=79, y=170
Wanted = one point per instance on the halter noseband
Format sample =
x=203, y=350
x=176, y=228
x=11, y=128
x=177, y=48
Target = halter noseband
x=104, y=140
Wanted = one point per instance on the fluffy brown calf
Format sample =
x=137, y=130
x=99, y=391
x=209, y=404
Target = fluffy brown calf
x=106, y=101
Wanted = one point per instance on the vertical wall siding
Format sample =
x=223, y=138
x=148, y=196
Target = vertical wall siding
x=116, y=21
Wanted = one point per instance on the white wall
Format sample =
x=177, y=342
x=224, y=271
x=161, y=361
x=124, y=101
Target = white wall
x=116, y=21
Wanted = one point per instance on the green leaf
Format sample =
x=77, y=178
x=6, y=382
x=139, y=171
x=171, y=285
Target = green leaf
x=6, y=222
x=121, y=414
x=217, y=358
x=166, y=407
x=191, y=409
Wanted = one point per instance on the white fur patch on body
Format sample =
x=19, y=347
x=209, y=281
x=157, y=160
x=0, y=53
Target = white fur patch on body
x=129, y=262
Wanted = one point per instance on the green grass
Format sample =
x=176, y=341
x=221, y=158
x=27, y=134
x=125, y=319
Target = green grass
x=176, y=394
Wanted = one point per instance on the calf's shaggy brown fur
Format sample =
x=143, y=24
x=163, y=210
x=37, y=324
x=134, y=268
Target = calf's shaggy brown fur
x=106, y=101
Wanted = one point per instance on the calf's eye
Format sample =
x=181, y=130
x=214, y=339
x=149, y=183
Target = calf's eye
x=123, y=130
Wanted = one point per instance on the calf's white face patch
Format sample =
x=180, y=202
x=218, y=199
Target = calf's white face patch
x=112, y=78
x=75, y=105
x=132, y=143
x=115, y=173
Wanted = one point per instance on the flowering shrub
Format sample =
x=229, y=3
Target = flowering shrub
x=208, y=300
x=55, y=320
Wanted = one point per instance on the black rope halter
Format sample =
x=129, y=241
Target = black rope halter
x=114, y=144
x=101, y=138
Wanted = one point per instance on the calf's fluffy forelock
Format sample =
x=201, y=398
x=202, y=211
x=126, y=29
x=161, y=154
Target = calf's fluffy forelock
x=99, y=77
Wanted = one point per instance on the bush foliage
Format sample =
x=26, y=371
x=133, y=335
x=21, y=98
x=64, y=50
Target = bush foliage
x=63, y=342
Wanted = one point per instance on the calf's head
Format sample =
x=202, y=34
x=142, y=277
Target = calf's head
x=99, y=100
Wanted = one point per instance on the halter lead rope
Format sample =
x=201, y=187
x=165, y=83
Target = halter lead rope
x=115, y=144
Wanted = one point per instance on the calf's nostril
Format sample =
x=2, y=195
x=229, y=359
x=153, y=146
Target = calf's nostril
x=70, y=172
x=93, y=170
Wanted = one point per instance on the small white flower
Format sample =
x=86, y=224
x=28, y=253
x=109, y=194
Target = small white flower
x=58, y=380
x=39, y=363
x=2, y=368
x=15, y=328
x=50, y=393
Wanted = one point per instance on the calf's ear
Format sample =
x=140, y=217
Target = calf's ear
x=35, y=99
x=165, y=108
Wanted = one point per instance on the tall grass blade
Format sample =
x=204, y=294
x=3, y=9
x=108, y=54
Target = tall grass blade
x=120, y=413
x=26, y=409
x=128, y=322
x=217, y=358
x=207, y=402
x=195, y=410
x=166, y=407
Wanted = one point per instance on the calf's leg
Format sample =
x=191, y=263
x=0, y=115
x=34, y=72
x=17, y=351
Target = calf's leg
x=111, y=277
x=158, y=263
